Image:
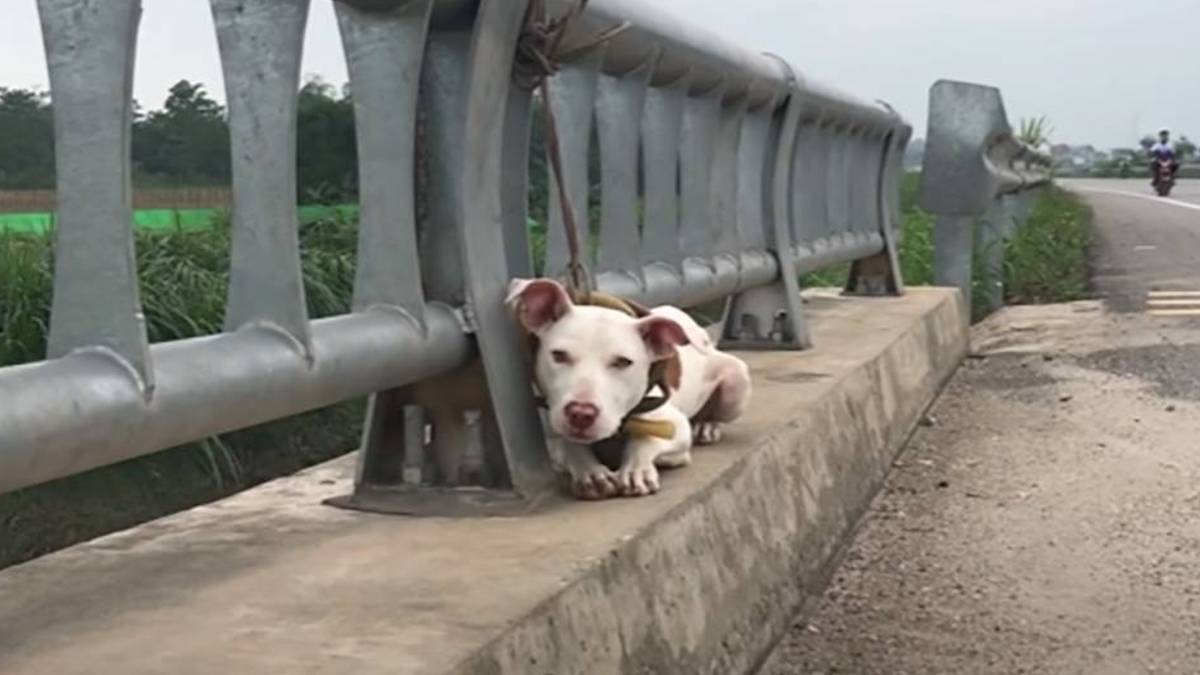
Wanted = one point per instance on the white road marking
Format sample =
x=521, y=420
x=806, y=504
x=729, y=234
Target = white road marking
x=1157, y=200
x=1173, y=302
x=1145, y=248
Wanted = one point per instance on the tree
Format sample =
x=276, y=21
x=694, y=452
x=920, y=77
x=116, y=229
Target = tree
x=1185, y=148
x=185, y=143
x=1147, y=142
x=326, y=154
x=26, y=140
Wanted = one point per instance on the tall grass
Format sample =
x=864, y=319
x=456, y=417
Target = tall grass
x=183, y=277
x=25, y=280
x=1044, y=262
x=916, y=244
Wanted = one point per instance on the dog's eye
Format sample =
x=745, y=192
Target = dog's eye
x=621, y=363
x=560, y=357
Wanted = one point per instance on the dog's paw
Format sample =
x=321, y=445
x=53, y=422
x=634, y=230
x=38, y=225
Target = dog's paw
x=595, y=482
x=706, y=433
x=638, y=480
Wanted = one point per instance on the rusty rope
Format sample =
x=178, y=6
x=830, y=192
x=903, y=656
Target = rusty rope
x=540, y=55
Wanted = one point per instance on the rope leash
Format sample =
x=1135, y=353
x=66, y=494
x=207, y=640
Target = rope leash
x=540, y=55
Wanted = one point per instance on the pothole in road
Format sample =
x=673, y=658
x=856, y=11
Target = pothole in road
x=1173, y=370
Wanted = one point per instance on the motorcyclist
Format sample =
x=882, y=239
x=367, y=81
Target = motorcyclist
x=1164, y=149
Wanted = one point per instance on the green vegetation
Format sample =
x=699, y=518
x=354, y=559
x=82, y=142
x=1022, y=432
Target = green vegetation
x=171, y=220
x=916, y=243
x=1045, y=262
x=1034, y=130
x=184, y=277
x=186, y=142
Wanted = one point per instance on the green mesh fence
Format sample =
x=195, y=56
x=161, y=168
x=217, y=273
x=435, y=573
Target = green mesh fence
x=167, y=219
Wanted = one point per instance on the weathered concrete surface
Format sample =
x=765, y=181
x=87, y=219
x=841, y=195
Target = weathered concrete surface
x=1048, y=522
x=699, y=579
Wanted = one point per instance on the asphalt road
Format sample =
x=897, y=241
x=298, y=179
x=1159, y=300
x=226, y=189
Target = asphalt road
x=1147, y=249
x=1047, y=519
x=1187, y=191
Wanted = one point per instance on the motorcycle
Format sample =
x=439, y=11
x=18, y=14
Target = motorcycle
x=1164, y=176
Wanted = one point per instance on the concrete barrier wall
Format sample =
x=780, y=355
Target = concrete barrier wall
x=701, y=578
x=711, y=586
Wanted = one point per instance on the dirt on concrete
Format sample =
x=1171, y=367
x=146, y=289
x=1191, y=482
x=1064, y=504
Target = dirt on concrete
x=1045, y=519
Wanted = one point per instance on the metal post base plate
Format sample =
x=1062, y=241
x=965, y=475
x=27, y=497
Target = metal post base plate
x=446, y=502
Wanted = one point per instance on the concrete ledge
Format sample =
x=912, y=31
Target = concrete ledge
x=699, y=579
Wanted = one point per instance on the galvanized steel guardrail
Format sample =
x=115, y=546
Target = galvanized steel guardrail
x=975, y=171
x=746, y=175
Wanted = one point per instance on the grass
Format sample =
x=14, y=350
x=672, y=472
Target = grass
x=183, y=275
x=916, y=246
x=1044, y=262
x=166, y=220
x=184, y=278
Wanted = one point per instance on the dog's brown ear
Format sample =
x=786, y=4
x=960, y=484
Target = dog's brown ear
x=673, y=372
x=661, y=336
x=538, y=303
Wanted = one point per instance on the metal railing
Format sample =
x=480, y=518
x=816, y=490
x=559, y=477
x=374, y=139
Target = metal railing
x=744, y=175
x=975, y=171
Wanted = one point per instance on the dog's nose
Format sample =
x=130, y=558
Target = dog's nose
x=581, y=416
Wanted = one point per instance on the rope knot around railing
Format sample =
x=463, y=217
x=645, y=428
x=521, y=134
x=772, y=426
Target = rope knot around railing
x=540, y=50
x=540, y=55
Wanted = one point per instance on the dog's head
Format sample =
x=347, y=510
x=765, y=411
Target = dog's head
x=592, y=364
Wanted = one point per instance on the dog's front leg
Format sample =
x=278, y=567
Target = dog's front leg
x=638, y=475
x=589, y=478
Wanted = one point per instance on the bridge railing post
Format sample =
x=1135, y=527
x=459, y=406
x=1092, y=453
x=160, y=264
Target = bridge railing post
x=974, y=180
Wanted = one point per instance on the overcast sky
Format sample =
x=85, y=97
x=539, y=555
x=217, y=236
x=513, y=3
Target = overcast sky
x=1092, y=66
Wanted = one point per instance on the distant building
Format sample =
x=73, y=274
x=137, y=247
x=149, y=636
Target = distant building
x=1078, y=157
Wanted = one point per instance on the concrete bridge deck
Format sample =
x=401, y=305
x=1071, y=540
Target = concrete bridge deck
x=698, y=579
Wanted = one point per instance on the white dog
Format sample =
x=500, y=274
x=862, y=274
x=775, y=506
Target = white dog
x=593, y=366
